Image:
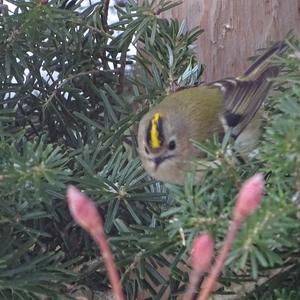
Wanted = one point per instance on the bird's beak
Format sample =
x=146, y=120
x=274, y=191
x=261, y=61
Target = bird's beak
x=158, y=160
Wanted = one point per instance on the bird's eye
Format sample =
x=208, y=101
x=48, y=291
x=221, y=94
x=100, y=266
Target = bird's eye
x=172, y=145
x=146, y=150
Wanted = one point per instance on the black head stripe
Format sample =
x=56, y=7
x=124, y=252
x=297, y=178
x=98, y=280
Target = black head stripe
x=148, y=134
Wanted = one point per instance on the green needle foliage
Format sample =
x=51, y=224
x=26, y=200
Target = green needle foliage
x=71, y=97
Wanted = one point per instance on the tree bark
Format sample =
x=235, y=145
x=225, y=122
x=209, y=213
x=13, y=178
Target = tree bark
x=234, y=29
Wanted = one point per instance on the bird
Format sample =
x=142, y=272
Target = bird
x=166, y=132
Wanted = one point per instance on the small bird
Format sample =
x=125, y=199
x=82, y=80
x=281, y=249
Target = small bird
x=166, y=132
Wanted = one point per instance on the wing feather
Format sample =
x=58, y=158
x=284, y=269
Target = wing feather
x=243, y=96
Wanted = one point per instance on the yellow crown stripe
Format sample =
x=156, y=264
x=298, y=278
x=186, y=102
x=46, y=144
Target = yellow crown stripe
x=154, y=134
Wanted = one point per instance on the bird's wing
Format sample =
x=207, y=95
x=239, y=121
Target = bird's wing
x=243, y=98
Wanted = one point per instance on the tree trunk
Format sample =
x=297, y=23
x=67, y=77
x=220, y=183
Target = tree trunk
x=234, y=29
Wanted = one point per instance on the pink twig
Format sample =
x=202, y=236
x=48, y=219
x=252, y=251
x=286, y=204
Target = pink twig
x=248, y=200
x=194, y=281
x=202, y=253
x=209, y=283
x=86, y=215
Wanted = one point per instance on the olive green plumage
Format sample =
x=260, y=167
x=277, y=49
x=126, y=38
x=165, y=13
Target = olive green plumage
x=199, y=105
x=165, y=132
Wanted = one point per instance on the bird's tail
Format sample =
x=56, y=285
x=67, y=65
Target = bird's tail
x=244, y=95
x=263, y=62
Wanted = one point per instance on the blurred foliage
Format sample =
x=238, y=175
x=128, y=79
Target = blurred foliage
x=71, y=98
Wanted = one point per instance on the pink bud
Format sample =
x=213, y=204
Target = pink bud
x=83, y=209
x=202, y=252
x=249, y=197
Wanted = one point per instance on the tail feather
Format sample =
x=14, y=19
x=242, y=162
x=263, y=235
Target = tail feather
x=263, y=61
x=250, y=98
x=243, y=96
